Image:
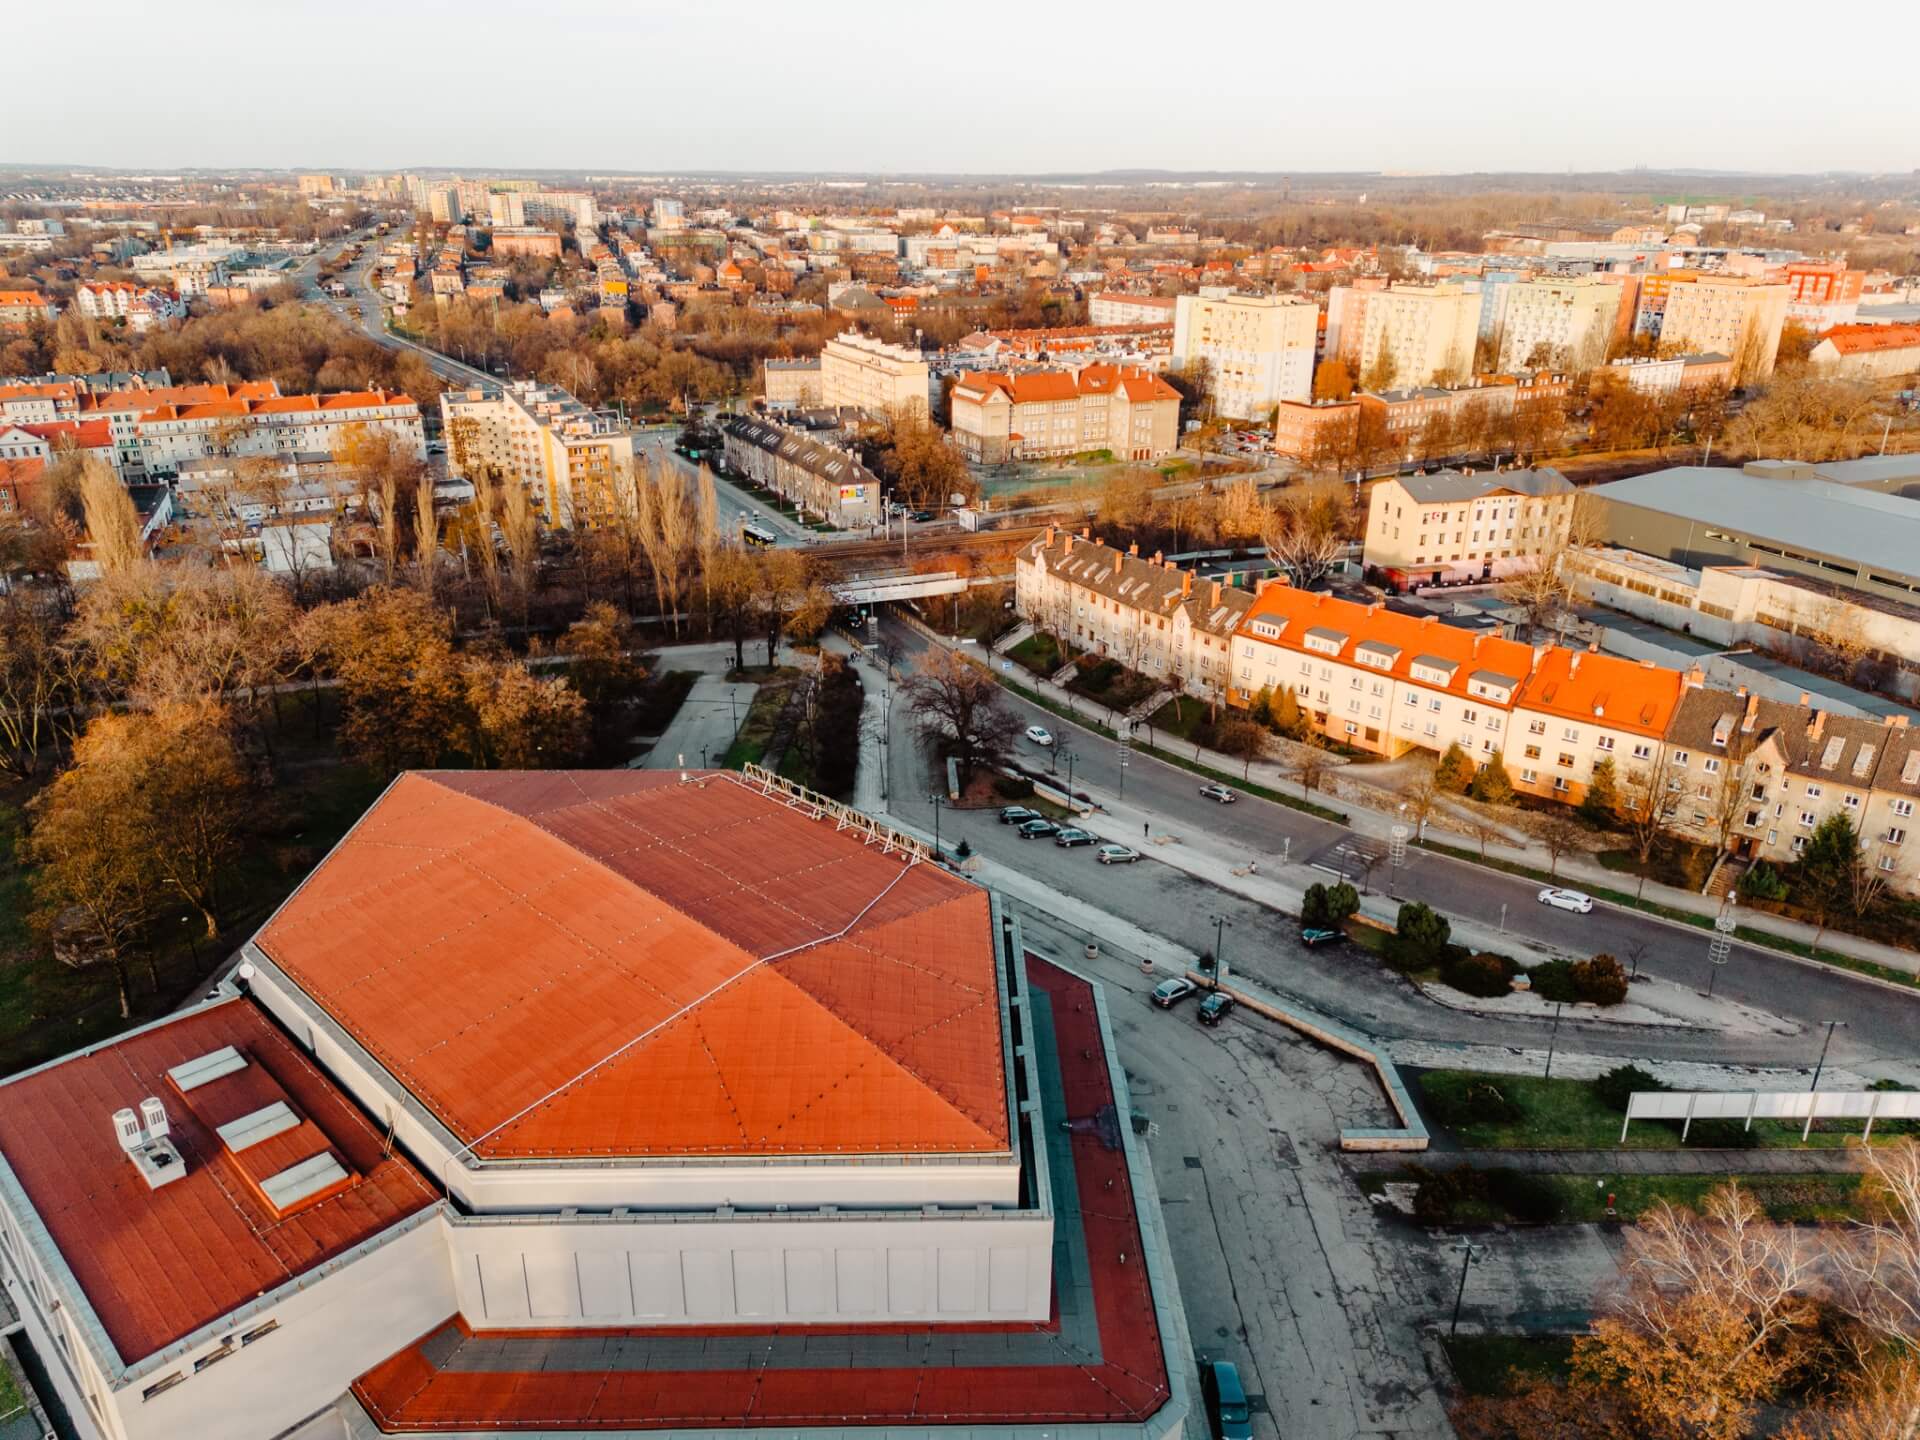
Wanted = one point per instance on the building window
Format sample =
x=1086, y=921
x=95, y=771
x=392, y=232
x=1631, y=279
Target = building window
x=162, y=1385
x=1605, y=742
x=259, y=1332
x=1903, y=808
x=1565, y=761
x=1560, y=784
x=1642, y=752
x=1536, y=727
x=1895, y=835
x=1807, y=819
x=1852, y=802
x=1680, y=757
x=1529, y=777
x=1814, y=792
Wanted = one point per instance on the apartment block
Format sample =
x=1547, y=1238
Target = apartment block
x=1377, y=680
x=793, y=382
x=1425, y=332
x=1258, y=348
x=21, y=308
x=1579, y=708
x=872, y=374
x=1757, y=777
x=1673, y=375
x=576, y=461
x=1730, y=315
x=1561, y=324
x=1032, y=414
x=138, y=305
x=1823, y=294
x=1451, y=527
x=1868, y=352
x=1110, y=308
x=824, y=480
x=1315, y=430
x=155, y=436
x=1150, y=615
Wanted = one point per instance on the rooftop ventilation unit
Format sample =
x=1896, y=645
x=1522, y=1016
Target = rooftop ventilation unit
x=144, y=1136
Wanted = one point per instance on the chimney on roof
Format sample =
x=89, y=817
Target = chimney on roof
x=1573, y=665
x=1086, y=532
x=1216, y=594
x=1896, y=722
x=1134, y=549
x=1752, y=715
x=1806, y=698
x=1694, y=677
x=1817, y=725
x=1478, y=641
x=1186, y=583
x=1159, y=557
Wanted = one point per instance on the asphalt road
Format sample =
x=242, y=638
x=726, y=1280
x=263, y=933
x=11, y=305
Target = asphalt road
x=1884, y=1025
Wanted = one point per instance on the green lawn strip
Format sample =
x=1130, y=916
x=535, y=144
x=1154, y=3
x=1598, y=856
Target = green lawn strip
x=1038, y=653
x=756, y=730
x=1763, y=938
x=1785, y=1198
x=1484, y=1364
x=1569, y=1115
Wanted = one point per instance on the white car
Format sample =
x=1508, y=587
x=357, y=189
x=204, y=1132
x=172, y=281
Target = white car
x=1039, y=735
x=1567, y=900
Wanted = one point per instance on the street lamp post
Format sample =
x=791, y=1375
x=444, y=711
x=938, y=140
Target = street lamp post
x=1552, y=1037
x=1070, y=757
x=1468, y=1252
x=937, y=800
x=1220, y=926
x=1719, y=949
x=1822, y=1063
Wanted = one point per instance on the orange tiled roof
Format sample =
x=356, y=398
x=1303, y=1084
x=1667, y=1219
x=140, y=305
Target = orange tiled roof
x=22, y=297
x=616, y=963
x=1031, y=387
x=86, y=434
x=1411, y=637
x=1866, y=339
x=156, y=1265
x=61, y=391
x=1586, y=685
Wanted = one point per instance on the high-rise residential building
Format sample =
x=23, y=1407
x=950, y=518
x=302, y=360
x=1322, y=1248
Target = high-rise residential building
x=862, y=371
x=1116, y=309
x=1029, y=414
x=1736, y=317
x=1258, y=348
x=1823, y=294
x=315, y=186
x=507, y=207
x=1419, y=334
x=576, y=461
x=1558, y=324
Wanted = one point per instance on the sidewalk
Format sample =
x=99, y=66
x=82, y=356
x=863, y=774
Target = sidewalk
x=1573, y=870
x=1626, y=1161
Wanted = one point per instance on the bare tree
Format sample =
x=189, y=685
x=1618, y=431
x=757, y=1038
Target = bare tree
x=520, y=528
x=426, y=532
x=957, y=705
x=1645, y=812
x=1878, y=1271
x=1302, y=532
x=665, y=526
x=1308, y=762
x=1558, y=832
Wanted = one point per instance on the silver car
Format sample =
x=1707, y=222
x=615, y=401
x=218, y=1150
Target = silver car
x=1116, y=855
x=1574, y=900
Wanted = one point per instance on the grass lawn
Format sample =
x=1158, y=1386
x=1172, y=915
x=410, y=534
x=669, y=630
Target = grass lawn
x=1484, y=1364
x=660, y=700
x=1039, y=653
x=1784, y=1197
x=1569, y=1115
x=763, y=716
x=1178, y=718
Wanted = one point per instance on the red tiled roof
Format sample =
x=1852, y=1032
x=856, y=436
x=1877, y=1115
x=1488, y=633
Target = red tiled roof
x=616, y=963
x=1029, y=387
x=457, y=1380
x=1586, y=685
x=86, y=434
x=157, y=1265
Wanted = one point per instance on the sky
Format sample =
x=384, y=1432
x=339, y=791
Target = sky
x=912, y=86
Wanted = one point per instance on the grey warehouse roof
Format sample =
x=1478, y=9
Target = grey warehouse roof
x=1844, y=521
x=1446, y=485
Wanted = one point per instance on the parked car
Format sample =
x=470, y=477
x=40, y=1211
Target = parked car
x=1574, y=900
x=1314, y=939
x=1018, y=815
x=1116, y=855
x=1070, y=837
x=1036, y=829
x=1226, y=1402
x=1219, y=793
x=1214, y=1008
x=923, y=517
x=1039, y=735
x=1169, y=993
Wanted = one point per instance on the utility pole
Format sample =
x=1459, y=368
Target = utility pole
x=1468, y=1252
x=1220, y=926
x=1552, y=1037
x=1831, y=1025
x=937, y=800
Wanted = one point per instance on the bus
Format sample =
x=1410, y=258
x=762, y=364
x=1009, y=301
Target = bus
x=756, y=534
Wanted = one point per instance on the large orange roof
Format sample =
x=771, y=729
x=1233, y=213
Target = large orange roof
x=1865, y=339
x=156, y=1265
x=619, y=963
x=1410, y=637
x=1586, y=685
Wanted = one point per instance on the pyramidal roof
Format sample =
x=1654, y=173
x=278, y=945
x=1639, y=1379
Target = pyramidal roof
x=620, y=963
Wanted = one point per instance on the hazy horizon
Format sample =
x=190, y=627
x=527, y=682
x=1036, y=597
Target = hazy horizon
x=874, y=89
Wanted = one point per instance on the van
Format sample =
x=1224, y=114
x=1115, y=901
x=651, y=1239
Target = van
x=1226, y=1402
